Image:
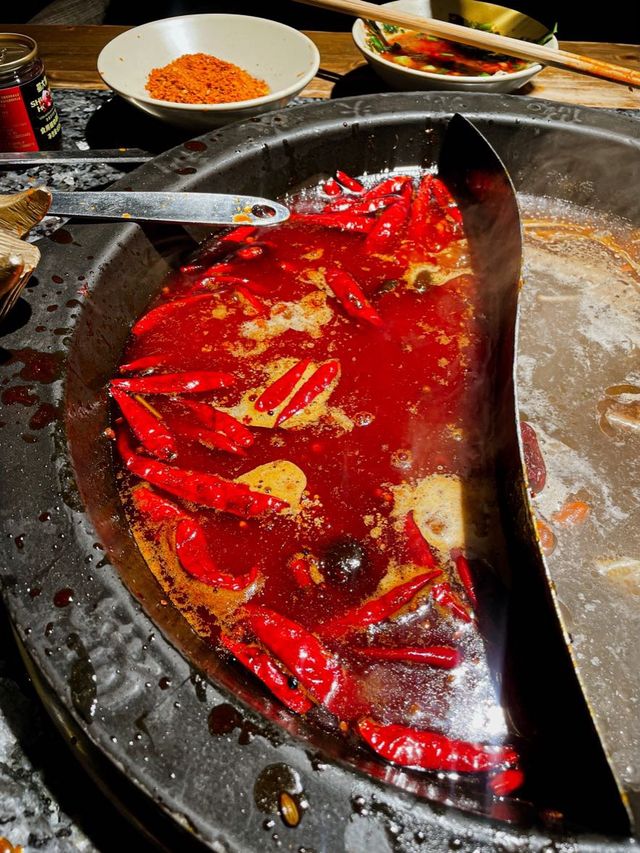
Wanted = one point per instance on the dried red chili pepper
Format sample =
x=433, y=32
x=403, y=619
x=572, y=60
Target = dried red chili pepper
x=146, y=362
x=228, y=275
x=190, y=382
x=419, y=549
x=350, y=294
x=209, y=438
x=220, y=283
x=506, y=781
x=301, y=573
x=218, y=270
x=308, y=391
x=340, y=205
x=421, y=211
x=387, y=230
x=446, y=201
x=220, y=422
x=389, y=186
x=239, y=235
x=318, y=670
x=276, y=393
x=421, y=214
x=154, y=506
x=378, y=609
x=258, y=306
x=466, y=578
x=454, y=213
x=198, y=487
x=337, y=221
x=444, y=657
x=349, y=182
x=262, y=665
x=152, y=432
x=443, y=595
x=193, y=553
x=358, y=206
x=162, y=312
x=231, y=280
x=533, y=459
x=331, y=187
x=220, y=249
x=433, y=226
x=431, y=751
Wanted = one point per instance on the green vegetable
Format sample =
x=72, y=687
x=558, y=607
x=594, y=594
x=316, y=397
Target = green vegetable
x=375, y=43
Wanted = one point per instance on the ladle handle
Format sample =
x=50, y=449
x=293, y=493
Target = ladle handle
x=179, y=207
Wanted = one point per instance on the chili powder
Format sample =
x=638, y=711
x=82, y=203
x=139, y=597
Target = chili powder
x=199, y=78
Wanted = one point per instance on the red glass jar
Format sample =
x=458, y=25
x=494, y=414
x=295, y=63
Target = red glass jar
x=28, y=118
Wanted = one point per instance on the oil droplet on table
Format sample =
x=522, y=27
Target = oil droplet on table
x=223, y=719
x=61, y=236
x=63, y=597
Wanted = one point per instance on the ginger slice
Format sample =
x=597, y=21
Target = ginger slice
x=451, y=513
x=281, y=478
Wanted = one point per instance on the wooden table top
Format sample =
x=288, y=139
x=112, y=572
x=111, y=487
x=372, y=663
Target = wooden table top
x=70, y=54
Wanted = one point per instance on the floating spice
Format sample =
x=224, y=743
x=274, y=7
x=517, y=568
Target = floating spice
x=199, y=78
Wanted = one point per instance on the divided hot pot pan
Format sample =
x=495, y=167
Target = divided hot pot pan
x=193, y=749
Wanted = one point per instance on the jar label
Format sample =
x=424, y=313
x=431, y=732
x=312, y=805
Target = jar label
x=16, y=132
x=28, y=118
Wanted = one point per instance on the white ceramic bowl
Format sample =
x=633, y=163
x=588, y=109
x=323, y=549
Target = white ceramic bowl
x=285, y=58
x=410, y=79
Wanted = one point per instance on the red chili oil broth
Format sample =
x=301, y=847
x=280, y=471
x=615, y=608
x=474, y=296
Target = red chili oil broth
x=412, y=401
x=439, y=56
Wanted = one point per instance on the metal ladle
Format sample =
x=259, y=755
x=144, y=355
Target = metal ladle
x=21, y=211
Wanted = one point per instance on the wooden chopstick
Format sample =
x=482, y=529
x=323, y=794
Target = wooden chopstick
x=486, y=41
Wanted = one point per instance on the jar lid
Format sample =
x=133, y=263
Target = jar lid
x=16, y=50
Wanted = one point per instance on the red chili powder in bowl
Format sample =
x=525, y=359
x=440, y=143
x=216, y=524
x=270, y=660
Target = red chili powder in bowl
x=198, y=78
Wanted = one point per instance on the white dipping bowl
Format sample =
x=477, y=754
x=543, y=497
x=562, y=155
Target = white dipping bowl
x=412, y=80
x=285, y=58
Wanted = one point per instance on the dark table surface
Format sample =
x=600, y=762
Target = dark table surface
x=47, y=800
